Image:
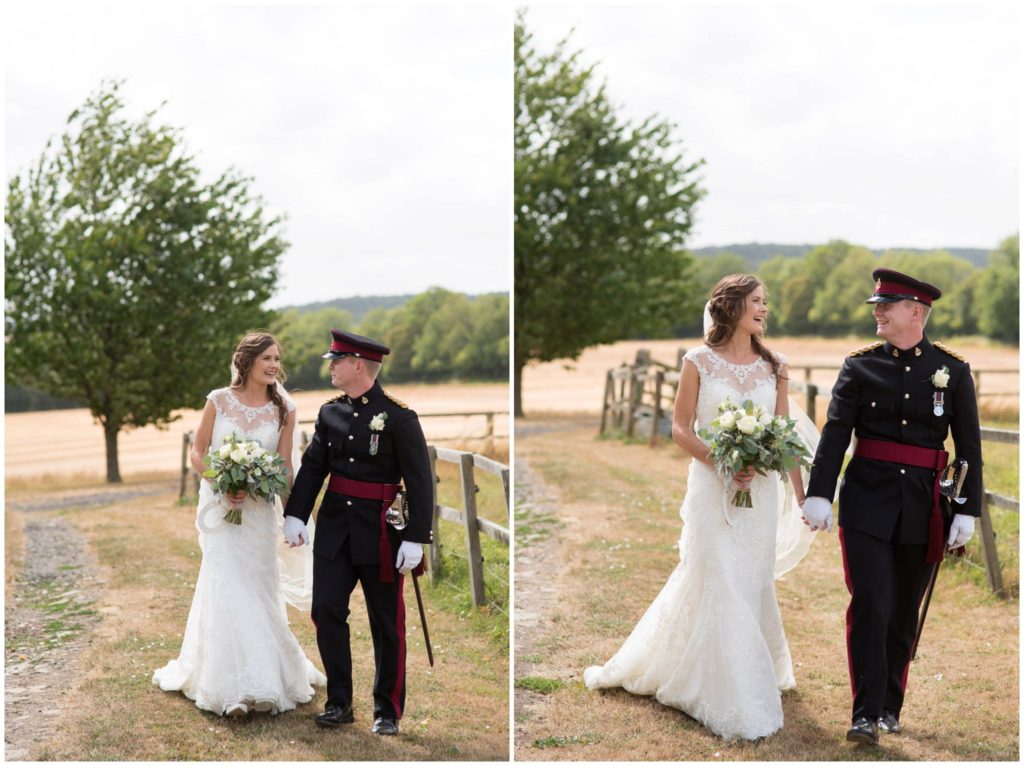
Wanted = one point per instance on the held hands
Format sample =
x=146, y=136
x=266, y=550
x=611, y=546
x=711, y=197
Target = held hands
x=295, y=532
x=409, y=556
x=236, y=498
x=960, y=531
x=817, y=513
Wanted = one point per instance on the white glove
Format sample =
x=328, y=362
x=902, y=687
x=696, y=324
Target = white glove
x=295, y=531
x=961, y=530
x=818, y=513
x=409, y=556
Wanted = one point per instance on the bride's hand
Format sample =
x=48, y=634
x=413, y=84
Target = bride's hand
x=236, y=498
x=744, y=477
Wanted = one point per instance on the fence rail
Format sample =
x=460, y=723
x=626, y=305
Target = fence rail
x=642, y=394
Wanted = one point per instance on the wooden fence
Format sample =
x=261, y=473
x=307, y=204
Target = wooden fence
x=642, y=395
x=469, y=463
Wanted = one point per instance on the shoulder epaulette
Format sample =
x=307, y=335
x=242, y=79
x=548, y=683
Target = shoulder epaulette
x=397, y=401
x=949, y=351
x=334, y=399
x=870, y=347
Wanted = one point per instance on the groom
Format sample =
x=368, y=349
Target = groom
x=900, y=397
x=368, y=442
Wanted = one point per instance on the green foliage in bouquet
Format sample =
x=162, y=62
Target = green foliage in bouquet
x=748, y=436
x=244, y=466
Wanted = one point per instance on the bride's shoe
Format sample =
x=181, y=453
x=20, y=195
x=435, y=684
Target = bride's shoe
x=237, y=710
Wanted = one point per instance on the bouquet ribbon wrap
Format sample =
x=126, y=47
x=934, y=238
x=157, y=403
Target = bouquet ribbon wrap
x=372, y=490
x=920, y=457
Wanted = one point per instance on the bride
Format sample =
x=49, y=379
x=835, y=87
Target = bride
x=238, y=654
x=712, y=643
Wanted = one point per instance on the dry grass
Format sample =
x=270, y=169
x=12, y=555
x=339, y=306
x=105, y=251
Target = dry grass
x=577, y=386
x=614, y=512
x=66, y=448
x=149, y=555
x=14, y=549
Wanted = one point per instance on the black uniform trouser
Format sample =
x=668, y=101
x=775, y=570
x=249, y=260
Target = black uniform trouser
x=886, y=581
x=333, y=583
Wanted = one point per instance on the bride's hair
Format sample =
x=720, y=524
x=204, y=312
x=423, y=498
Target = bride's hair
x=246, y=352
x=727, y=305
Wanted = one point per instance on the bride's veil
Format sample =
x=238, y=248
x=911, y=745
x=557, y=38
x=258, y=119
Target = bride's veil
x=792, y=537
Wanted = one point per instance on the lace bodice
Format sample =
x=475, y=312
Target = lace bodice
x=720, y=378
x=259, y=423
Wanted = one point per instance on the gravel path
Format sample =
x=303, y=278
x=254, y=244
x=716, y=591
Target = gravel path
x=48, y=621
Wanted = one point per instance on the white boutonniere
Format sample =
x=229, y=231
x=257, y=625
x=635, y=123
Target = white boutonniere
x=377, y=422
x=941, y=377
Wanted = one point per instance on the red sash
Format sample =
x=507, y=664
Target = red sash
x=372, y=490
x=920, y=457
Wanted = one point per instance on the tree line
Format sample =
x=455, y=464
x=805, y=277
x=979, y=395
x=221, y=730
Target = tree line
x=822, y=293
x=436, y=336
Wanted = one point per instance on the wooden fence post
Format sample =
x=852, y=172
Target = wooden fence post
x=659, y=378
x=631, y=408
x=476, y=562
x=186, y=439
x=620, y=410
x=609, y=395
x=435, y=546
x=988, y=546
x=812, y=403
x=490, y=425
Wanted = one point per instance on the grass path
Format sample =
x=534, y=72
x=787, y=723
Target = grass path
x=605, y=513
x=147, y=551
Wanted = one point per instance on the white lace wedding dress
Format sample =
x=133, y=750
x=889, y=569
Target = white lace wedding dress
x=712, y=643
x=238, y=653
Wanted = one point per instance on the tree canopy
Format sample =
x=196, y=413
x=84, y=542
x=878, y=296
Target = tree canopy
x=602, y=209
x=129, y=278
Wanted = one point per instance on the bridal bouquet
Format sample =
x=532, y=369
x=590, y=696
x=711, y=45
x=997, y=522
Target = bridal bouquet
x=747, y=436
x=245, y=466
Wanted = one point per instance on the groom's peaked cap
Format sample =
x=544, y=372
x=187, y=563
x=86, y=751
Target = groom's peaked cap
x=892, y=286
x=349, y=344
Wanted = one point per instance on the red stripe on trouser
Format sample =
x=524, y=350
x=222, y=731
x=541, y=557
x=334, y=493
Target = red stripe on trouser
x=849, y=612
x=396, y=693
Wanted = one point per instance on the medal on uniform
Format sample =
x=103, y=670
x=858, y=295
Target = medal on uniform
x=374, y=443
x=938, y=398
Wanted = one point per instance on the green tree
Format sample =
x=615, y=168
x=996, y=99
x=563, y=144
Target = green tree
x=954, y=276
x=129, y=279
x=999, y=307
x=707, y=270
x=304, y=337
x=602, y=209
x=790, y=295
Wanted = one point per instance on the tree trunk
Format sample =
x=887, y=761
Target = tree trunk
x=110, y=431
x=517, y=390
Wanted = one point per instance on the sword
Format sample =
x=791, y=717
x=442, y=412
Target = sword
x=423, y=617
x=951, y=489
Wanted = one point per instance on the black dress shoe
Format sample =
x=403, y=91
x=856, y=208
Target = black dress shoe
x=888, y=723
x=335, y=715
x=386, y=727
x=863, y=730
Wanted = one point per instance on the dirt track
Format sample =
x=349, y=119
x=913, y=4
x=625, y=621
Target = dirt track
x=595, y=543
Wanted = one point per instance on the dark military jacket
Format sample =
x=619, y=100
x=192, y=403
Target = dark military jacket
x=341, y=445
x=885, y=393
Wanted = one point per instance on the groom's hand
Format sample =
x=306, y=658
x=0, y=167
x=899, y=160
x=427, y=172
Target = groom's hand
x=960, y=531
x=409, y=556
x=817, y=513
x=295, y=532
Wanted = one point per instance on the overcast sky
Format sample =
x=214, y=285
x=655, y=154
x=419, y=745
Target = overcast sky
x=885, y=126
x=384, y=134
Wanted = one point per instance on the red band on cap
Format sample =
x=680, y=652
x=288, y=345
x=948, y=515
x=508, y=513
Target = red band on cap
x=347, y=348
x=900, y=288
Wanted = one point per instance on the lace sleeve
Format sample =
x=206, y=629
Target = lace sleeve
x=781, y=357
x=696, y=357
x=217, y=397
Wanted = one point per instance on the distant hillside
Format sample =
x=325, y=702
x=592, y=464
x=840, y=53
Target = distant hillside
x=757, y=253
x=360, y=305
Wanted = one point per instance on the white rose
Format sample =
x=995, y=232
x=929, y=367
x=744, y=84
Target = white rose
x=941, y=378
x=237, y=455
x=765, y=420
x=225, y=450
x=377, y=422
x=747, y=424
x=727, y=421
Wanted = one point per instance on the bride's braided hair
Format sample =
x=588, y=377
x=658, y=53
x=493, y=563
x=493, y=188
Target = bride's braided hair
x=728, y=303
x=248, y=351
